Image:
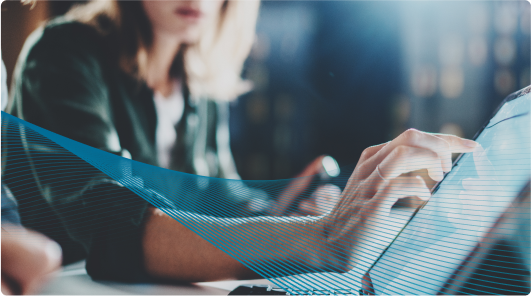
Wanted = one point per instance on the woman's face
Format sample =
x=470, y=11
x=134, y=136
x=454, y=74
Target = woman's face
x=183, y=19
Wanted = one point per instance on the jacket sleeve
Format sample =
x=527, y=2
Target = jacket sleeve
x=60, y=85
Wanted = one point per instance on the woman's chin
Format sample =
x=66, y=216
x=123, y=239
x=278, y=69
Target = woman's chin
x=187, y=35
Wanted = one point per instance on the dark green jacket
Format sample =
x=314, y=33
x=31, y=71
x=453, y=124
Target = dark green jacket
x=67, y=81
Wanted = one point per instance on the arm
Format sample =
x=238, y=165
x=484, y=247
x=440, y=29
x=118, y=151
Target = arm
x=173, y=251
x=193, y=258
x=282, y=246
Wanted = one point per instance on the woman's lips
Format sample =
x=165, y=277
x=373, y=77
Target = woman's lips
x=188, y=13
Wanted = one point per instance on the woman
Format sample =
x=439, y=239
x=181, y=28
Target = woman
x=163, y=72
x=106, y=75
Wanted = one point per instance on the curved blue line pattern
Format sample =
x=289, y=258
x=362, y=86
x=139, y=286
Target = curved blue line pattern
x=429, y=248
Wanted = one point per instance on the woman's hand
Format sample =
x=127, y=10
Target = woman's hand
x=376, y=184
x=29, y=259
x=295, y=245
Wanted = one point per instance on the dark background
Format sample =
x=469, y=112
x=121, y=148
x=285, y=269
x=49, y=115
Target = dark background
x=334, y=77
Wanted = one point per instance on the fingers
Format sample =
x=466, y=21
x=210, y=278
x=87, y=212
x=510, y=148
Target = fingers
x=442, y=145
x=377, y=231
x=396, y=189
x=405, y=159
x=370, y=151
x=28, y=257
x=457, y=144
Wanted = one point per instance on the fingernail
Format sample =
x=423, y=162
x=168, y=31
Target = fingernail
x=470, y=143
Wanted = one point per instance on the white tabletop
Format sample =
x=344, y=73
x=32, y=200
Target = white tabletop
x=73, y=280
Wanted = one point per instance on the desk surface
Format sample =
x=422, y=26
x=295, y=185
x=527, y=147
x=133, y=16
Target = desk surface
x=73, y=280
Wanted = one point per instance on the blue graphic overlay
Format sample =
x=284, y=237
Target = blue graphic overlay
x=114, y=187
x=113, y=191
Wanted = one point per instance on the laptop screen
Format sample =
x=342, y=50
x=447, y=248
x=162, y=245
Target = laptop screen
x=466, y=204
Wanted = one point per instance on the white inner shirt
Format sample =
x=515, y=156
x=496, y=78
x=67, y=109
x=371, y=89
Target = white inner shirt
x=169, y=112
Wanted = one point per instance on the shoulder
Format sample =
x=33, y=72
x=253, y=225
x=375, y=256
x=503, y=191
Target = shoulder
x=60, y=61
x=60, y=37
x=61, y=27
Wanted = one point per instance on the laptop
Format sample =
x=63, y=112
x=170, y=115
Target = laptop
x=464, y=207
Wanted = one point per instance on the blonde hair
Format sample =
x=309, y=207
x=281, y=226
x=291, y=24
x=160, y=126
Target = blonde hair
x=212, y=66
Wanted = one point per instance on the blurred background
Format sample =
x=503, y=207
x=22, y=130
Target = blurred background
x=334, y=77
